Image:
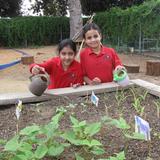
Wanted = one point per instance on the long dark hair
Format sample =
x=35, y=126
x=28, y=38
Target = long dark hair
x=66, y=43
x=91, y=26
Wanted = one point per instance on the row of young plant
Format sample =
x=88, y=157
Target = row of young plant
x=36, y=142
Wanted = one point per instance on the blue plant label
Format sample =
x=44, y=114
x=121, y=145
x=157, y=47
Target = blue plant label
x=94, y=99
x=142, y=126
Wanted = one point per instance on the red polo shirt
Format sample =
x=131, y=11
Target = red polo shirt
x=101, y=65
x=60, y=78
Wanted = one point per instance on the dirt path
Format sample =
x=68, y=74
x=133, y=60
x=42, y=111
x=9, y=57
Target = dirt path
x=16, y=78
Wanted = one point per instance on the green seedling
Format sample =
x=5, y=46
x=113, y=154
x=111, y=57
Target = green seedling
x=122, y=124
x=35, y=142
x=157, y=103
x=120, y=97
x=137, y=104
x=82, y=134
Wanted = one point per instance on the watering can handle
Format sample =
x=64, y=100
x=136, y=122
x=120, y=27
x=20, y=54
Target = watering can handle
x=44, y=73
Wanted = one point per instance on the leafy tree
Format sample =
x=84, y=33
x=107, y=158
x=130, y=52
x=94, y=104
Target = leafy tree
x=50, y=7
x=10, y=8
x=58, y=7
x=88, y=6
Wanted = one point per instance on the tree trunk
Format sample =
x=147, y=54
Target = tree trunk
x=76, y=22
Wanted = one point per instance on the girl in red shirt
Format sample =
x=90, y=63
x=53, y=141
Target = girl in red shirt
x=64, y=70
x=98, y=62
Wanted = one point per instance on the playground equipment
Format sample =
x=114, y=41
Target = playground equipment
x=24, y=54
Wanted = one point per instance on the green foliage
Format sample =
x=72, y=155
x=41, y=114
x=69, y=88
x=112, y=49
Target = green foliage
x=120, y=97
x=138, y=99
x=88, y=7
x=119, y=156
x=82, y=134
x=122, y=124
x=124, y=25
x=54, y=8
x=26, y=31
x=157, y=104
x=10, y=8
x=36, y=142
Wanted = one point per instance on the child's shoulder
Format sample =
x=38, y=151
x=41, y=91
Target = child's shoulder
x=53, y=60
x=85, y=50
x=75, y=62
x=108, y=49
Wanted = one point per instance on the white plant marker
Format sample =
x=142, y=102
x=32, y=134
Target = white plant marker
x=18, y=113
x=94, y=99
x=142, y=126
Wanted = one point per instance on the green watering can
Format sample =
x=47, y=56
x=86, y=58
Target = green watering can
x=121, y=77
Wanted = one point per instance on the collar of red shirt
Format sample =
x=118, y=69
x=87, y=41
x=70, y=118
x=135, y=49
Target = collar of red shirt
x=59, y=63
x=89, y=50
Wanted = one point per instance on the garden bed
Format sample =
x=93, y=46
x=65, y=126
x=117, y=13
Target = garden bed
x=116, y=105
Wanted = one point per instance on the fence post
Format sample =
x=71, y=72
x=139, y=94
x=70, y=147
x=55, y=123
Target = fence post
x=140, y=38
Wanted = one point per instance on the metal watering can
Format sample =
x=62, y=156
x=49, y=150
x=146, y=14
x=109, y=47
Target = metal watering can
x=39, y=83
x=121, y=77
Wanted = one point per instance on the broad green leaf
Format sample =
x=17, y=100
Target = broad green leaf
x=50, y=130
x=92, y=129
x=135, y=135
x=29, y=130
x=26, y=146
x=90, y=143
x=70, y=136
x=55, y=119
x=106, y=119
x=56, y=150
x=85, y=142
x=41, y=151
x=66, y=144
x=74, y=120
x=80, y=124
x=78, y=157
x=119, y=156
x=121, y=123
x=2, y=141
x=20, y=157
x=12, y=145
x=97, y=150
x=94, y=142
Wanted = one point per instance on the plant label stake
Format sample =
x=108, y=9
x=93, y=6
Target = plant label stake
x=94, y=99
x=18, y=113
x=142, y=127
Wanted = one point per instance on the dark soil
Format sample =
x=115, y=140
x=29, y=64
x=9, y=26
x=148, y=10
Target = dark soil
x=83, y=109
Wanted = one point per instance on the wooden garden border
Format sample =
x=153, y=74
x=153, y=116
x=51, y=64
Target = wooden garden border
x=11, y=98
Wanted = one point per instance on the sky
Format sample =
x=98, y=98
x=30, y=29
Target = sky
x=25, y=6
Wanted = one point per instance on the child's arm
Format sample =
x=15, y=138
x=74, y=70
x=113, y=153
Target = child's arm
x=36, y=68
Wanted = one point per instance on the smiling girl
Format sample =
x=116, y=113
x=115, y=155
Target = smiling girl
x=64, y=70
x=98, y=62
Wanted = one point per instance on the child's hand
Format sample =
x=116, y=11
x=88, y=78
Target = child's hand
x=76, y=85
x=37, y=69
x=96, y=81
